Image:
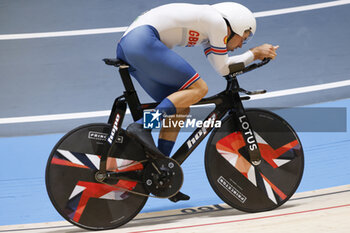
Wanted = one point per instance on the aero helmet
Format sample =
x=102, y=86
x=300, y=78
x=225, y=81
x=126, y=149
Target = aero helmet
x=239, y=17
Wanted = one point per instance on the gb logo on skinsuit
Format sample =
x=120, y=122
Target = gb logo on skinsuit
x=151, y=119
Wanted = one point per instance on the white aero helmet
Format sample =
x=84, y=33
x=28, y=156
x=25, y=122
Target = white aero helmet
x=239, y=17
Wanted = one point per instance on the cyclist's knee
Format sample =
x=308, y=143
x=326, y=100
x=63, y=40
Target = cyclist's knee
x=204, y=89
x=200, y=87
x=184, y=111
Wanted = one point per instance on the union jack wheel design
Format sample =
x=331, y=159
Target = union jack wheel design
x=255, y=188
x=73, y=189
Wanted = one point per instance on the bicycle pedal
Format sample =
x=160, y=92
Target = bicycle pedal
x=179, y=197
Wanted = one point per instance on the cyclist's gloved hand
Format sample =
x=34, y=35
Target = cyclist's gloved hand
x=264, y=51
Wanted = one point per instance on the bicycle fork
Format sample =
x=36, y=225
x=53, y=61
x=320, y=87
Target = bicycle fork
x=245, y=127
x=249, y=138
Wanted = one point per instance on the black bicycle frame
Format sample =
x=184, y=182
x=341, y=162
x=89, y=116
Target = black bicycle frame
x=226, y=101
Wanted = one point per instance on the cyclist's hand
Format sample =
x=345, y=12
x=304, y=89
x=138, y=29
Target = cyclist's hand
x=264, y=51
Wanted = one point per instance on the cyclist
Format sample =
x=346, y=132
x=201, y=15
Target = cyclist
x=167, y=77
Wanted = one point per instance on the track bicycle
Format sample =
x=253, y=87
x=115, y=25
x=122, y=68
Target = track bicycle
x=254, y=162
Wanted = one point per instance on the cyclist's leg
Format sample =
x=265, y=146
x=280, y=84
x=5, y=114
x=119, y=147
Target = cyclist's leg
x=158, y=69
x=189, y=96
x=182, y=100
x=179, y=86
x=180, y=115
x=162, y=73
x=168, y=135
x=179, y=102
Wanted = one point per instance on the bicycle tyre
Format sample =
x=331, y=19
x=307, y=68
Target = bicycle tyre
x=240, y=184
x=71, y=184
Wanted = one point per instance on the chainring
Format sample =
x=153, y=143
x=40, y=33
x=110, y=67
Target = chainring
x=163, y=177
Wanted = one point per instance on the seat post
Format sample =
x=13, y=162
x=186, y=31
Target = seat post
x=130, y=93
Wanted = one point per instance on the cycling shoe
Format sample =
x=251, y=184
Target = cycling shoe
x=143, y=136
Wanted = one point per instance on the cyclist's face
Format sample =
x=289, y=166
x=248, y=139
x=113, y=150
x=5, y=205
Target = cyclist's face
x=237, y=41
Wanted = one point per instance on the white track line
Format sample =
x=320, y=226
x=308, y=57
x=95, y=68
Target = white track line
x=71, y=116
x=122, y=29
x=301, y=8
x=62, y=33
x=301, y=90
x=54, y=117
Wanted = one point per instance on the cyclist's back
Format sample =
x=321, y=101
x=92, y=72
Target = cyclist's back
x=188, y=25
x=175, y=21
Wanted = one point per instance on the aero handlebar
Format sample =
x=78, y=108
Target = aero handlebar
x=239, y=68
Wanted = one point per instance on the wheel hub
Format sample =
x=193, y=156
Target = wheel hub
x=100, y=177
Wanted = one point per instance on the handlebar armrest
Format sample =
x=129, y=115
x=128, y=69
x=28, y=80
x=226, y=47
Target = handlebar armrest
x=239, y=68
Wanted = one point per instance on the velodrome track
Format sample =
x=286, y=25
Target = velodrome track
x=316, y=211
x=52, y=79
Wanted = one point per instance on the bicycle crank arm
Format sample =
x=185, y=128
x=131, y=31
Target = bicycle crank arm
x=104, y=177
x=135, y=192
x=129, y=176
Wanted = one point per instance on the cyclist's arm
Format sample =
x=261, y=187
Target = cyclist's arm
x=246, y=58
x=221, y=61
x=216, y=51
x=217, y=57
